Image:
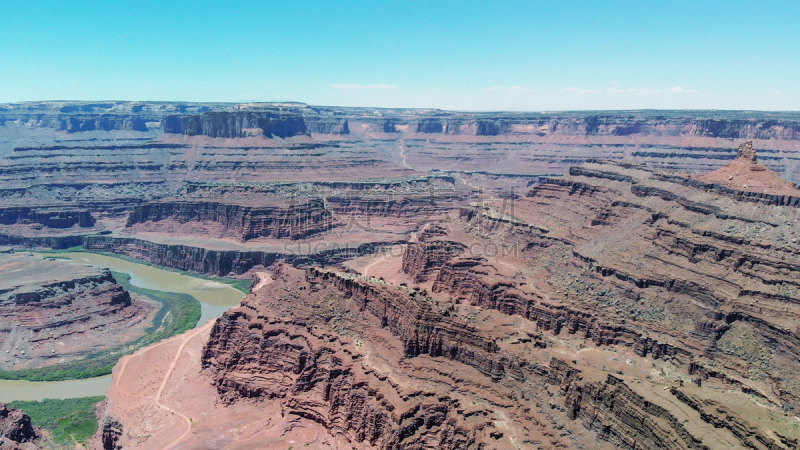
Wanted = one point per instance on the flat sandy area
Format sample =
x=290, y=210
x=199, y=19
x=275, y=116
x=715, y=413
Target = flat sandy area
x=165, y=402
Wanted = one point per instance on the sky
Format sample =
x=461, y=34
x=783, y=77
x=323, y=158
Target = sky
x=459, y=55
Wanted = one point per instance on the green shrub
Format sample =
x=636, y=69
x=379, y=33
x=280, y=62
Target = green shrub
x=66, y=421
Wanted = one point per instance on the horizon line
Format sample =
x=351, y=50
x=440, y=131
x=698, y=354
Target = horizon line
x=279, y=102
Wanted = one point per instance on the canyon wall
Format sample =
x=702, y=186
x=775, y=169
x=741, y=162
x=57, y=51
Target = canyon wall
x=570, y=279
x=227, y=262
x=321, y=373
x=236, y=124
x=293, y=220
x=328, y=386
x=51, y=217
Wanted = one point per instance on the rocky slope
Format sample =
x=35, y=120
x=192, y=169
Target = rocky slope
x=747, y=173
x=311, y=352
x=424, y=259
x=658, y=264
x=321, y=366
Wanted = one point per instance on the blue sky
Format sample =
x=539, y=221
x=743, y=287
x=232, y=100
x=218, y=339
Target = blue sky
x=466, y=55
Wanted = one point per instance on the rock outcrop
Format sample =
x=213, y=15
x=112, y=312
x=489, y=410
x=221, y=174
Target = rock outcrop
x=15, y=428
x=422, y=259
x=747, y=174
x=747, y=152
x=111, y=433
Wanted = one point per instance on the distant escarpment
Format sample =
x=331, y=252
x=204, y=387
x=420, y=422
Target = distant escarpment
x=747, y=129
x=288, y=119
x=609, y=125
x=353, y=139
x=48, y=216
x=288, y=220
x=475, y=127
x=74, y=123
x=236, y=124
x=321, y=125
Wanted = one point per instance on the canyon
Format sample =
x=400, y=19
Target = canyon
x=425, y=278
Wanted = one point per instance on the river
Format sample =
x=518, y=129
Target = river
x=215, y=298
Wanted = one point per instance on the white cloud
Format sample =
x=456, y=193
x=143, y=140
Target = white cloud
x=518, y=89
x=646, y=91
x=363, y=86
x=680, y=90
x=576, y=90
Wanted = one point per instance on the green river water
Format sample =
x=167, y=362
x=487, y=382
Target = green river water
x=215, y=298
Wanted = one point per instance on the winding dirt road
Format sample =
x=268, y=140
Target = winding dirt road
x=366, y=269
x=185, y=338
x=402, y=154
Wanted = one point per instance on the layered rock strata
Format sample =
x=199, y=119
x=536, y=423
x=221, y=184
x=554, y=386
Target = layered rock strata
x=309, y=343
x=51, y=217
x=57, y=312
x=220, y=262
x=321, y=376
x=292, y=220
x=422, y=259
